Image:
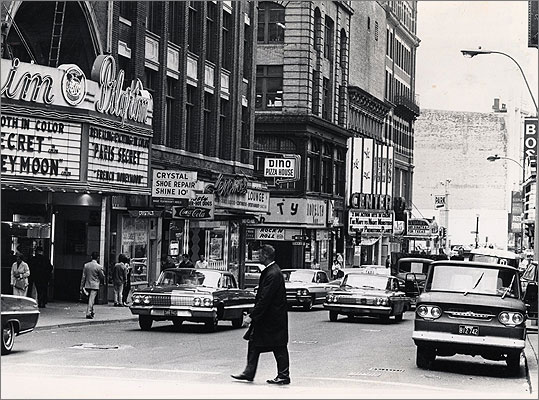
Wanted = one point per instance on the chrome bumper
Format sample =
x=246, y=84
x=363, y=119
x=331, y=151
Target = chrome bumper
x=491, y=341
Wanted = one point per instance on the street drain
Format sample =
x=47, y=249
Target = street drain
x=363, y=374
x=305, y=341
x=92, y=346
x=386, y=369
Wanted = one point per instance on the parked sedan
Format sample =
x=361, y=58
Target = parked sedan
x=197, y=295
x=19, y=315
x=306, y=287
x=470, y=308
x=367, y=294
x=252, y=274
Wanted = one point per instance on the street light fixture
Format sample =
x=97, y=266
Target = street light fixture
x=497, y=157
x=473, y=53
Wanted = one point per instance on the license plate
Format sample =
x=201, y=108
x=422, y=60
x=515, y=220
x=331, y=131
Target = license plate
x=177, y=313
x=469, y=330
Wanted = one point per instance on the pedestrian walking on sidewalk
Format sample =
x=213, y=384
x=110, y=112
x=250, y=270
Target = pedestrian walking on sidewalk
x=92, y=276
x=268, y=322
x=19, y=276
x=119, y=277
x=40, y=271
x=127, y=285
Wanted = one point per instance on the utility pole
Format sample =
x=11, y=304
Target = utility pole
x=446, y=219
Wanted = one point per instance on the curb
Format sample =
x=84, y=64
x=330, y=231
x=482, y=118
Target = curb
x=530, y=362
x=89, y=322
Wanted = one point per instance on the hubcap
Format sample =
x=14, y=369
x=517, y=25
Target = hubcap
x=7, y=335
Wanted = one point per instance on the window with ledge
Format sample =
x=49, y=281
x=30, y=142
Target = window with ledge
x=127, y=9
x=313, y=166
x=170, y=111
x=190, y=116
x=316, y=93
x=339, y=172
x=173, y=21
x=154, y=16
x=270, y=22
x=328, y=38
x=224, y=129
x=327, y=169
x=211, y=34
x=343, y=49
x=193, y=33
x=269, y=87
x=226, y=47
x=326, y=100
x=208, y=106
x=317, y=29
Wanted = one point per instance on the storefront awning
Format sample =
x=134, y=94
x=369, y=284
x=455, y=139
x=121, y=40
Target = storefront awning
x=369, y=241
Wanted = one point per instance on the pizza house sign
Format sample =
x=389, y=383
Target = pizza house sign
x=68, y=86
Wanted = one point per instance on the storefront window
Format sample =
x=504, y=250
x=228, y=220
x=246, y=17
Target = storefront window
x=134, y=244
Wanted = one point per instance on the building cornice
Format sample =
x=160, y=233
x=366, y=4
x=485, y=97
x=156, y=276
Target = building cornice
x=367, y=102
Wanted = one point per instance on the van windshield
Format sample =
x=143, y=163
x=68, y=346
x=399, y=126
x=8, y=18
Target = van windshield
x=467, y=279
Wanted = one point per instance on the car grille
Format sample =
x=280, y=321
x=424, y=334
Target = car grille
x=181, y=300
x=468, y=314
x=355, y=300
x=160, y=300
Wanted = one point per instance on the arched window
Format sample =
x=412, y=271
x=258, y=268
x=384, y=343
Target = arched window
x=270, y=22
x=328, y=38
x=75, y=47
x=317, y=29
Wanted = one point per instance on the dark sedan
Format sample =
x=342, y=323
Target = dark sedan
x=367, y=294
x=196, y=295
x=19, y=315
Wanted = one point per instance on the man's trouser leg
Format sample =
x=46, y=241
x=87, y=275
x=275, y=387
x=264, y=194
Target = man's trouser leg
x=91, y=300
x=283, y=362
x=253, y=354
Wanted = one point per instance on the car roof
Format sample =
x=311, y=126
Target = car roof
x=197, y=270
x=370, y=274
x=473, y=264
x=415, y=259
x=487, y=251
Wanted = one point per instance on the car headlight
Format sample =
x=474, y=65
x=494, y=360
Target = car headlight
x=207, y=302
x=136, y=299
x=510, y=318
x=197, y=302
x=329, y=298
x=146, y=300
x=429, y=312
x=305, y=292
x=382, y=301
x=298, y=292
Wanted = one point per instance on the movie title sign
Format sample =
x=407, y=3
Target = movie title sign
x=117, y=157
x=40, y=147
x=370, y=221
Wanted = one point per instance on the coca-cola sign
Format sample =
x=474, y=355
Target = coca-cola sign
x=201, y=207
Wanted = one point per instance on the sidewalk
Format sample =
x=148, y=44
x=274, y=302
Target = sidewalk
x=62, y=314
x=65, y=313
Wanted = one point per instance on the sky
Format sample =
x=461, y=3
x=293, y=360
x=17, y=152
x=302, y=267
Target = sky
x=446, y=80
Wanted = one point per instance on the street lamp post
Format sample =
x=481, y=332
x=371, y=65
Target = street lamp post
x=473, y=53
x=497, y=157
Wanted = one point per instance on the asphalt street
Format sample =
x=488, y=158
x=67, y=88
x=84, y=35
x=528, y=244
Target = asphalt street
x=350, y=358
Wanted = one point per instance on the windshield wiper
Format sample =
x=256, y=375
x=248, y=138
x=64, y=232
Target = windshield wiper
x=368, y=287
x=508, y=287
x=476, y=283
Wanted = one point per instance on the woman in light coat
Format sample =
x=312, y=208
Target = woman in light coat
x=19, y=276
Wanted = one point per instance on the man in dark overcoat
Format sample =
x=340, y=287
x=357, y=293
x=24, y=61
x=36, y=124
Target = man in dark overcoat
x=268, y=322
x=40, y=271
